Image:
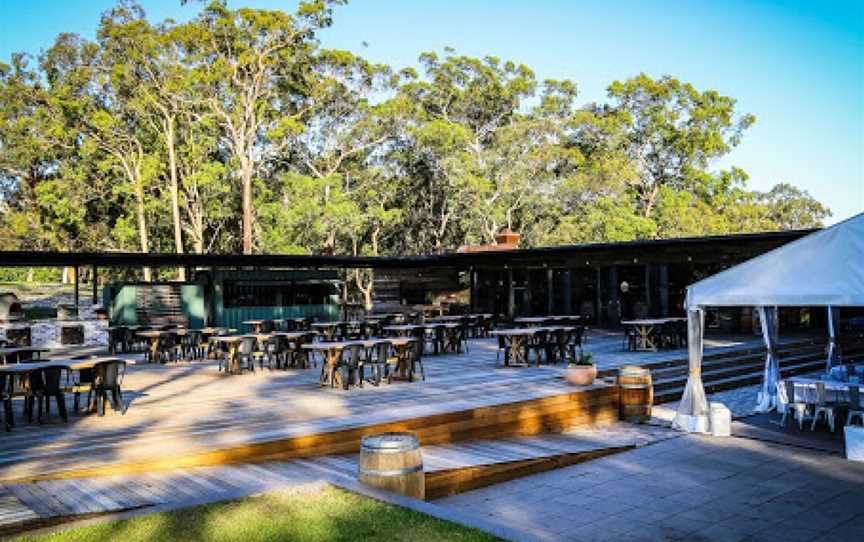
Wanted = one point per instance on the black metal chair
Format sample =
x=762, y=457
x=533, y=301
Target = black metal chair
x=503, y=346
x=352, y=364
x=107, y=378
x=382, y=362
x=45, y=385
x=539, y=344
x=6, y=397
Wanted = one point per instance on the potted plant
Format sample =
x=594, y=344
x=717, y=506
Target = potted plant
x=581, y=371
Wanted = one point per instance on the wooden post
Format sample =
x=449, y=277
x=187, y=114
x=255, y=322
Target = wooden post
x=76, y=285
x=568, y=292
x=510, y=294
x=614, y=304
x=95, y=279
x=474, y=290
x=648, y=287
x=663, y=272
x=598, y=307
x=550, y=299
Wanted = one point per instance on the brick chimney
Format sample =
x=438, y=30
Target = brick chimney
x=506, y=239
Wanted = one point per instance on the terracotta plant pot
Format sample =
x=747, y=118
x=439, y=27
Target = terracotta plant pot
x=581, y=375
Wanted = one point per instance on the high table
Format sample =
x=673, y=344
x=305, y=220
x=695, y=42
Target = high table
x=256, y=325
x=24, y=371
x=518, y=339
x=155, y=337
x=644, y=328
x=332, y=352
x=531, y=321
x=232, y=342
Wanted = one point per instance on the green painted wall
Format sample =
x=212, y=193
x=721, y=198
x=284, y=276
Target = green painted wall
x=123, y=299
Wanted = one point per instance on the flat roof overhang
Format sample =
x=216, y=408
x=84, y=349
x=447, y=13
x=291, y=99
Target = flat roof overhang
x=23, y=258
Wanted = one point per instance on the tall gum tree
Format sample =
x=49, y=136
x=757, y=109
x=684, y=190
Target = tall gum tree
x=252, y=67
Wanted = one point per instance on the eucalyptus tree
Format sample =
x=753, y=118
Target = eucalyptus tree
x=251, y=70
x=145, y=64
x=674, y=131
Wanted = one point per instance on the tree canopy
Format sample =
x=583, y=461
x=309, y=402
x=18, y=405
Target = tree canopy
x=237, y=131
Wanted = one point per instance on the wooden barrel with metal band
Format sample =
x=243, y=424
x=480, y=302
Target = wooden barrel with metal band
x=636, y=393
x=392, y=461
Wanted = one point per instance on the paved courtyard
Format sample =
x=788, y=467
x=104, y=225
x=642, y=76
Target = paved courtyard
x=691, y=488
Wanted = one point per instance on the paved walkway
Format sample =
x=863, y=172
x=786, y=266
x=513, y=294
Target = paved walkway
x=690, y=488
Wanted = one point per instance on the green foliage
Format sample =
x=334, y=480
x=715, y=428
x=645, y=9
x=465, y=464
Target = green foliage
x=236, y=131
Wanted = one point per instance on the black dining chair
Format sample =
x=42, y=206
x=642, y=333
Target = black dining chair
x=352, y=365
x=6, y=397
x=107, y=379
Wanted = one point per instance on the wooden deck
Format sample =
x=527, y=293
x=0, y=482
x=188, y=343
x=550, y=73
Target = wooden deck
x=189, y=415
x=449, y=468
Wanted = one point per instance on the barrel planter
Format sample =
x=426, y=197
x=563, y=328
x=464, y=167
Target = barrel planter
x=636, y=393
x=392, y=461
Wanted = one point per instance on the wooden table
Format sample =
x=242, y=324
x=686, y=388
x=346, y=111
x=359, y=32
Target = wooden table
x=403, y=347
x=518, y=338
x=155, y=338
x=24, y=371
x=404, y=330
x=328, y=329
x=232, y=362
x=255, y=324
x=644, y=328
x=530, y=321
x=332, y=352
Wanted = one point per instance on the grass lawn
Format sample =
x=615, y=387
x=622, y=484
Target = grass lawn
x=328, y=515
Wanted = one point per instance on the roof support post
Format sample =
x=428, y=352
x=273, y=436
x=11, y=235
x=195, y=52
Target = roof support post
x=76, y=270
x=95, y=279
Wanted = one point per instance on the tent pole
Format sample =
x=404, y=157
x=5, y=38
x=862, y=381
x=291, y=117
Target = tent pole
x=692, y=415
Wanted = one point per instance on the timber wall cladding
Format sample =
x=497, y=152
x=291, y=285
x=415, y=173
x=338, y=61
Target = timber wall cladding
x=160, y=304
x=587, y=407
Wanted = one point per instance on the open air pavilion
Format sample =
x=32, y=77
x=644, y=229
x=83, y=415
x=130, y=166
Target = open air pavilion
x=482, y=379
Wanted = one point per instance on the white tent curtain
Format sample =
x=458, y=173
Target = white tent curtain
x=833, y=358
x=767, y=398
x=692, y=415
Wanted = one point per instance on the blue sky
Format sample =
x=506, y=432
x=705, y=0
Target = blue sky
x=797, y=65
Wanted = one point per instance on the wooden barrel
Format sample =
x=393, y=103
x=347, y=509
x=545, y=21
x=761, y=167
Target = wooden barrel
x=636, y=393
x=392, y=461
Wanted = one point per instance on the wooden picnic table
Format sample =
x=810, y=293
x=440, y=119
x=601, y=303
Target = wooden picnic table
x=644, y=328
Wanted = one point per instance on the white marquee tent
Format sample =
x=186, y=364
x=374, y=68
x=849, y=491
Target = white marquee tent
x=825, y=268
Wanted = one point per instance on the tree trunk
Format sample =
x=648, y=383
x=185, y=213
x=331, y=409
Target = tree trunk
x=142, y=222
x=246, y=179
x=175, y=192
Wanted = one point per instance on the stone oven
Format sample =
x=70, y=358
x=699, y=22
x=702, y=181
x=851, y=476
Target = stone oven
x=10, y=308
